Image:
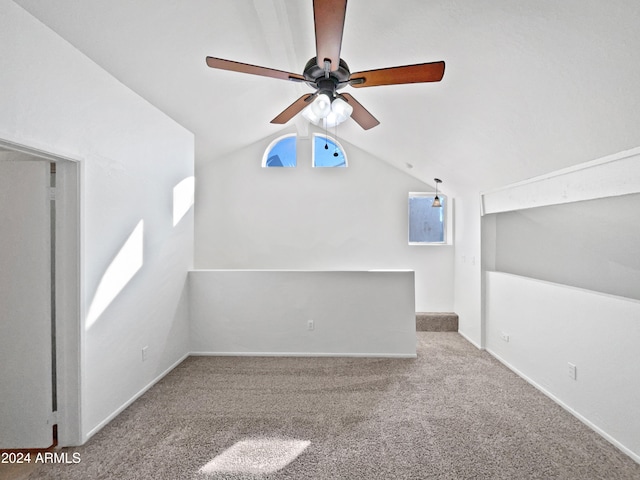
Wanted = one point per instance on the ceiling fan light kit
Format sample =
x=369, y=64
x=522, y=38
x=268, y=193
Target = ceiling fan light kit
x=327, y=73
x=319, y=114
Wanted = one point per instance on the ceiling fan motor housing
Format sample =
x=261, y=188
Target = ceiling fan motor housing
x=316, y=78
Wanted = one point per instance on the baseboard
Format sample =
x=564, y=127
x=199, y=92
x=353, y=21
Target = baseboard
x=583, y=419
x=102, y=424
x=479, y=347
x=303, y=354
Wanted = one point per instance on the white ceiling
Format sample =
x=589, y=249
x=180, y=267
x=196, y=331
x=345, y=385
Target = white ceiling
x=529, y=87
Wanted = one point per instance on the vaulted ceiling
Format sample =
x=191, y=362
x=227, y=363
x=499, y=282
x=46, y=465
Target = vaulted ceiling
x=529, y=87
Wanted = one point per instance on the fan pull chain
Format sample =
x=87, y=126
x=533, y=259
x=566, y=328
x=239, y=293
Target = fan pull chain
x=335, y=152
x=326, y=135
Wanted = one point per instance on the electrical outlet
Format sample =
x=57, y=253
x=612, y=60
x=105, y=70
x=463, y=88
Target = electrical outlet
x=572, y=371
x=504, y=336
x=310, y=325
x=145, y=351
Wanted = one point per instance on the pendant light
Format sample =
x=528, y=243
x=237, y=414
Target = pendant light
x=436, y=201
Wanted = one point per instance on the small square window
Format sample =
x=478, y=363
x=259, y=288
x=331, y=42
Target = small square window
x=426, y=223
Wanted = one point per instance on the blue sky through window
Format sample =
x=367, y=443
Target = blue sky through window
x=283, y=153
x=326, y=157
x=426, y=223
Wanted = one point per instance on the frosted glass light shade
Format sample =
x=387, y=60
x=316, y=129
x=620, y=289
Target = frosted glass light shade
x=342, y=109
x=321, y=106
x=332, y=120
x=310, y=116
x=326, y=113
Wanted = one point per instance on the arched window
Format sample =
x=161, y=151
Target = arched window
x=281, y=152
x=327, y=152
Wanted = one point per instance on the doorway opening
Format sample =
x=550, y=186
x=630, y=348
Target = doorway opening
x=60, y=223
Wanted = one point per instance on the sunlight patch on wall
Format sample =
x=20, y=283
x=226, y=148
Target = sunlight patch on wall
x=256, y=456
x=121, y=270
x=183, y=198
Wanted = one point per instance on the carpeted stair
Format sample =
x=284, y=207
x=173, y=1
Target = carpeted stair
x=436, y=322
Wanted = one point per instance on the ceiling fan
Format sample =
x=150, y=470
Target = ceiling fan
x=327, y=73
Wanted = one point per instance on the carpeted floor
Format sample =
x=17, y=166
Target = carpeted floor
x=452, y=413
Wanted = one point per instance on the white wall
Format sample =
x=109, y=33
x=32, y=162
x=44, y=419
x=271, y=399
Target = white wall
x=550, y=326
x=576, y=226
x=591, y=244
x=132, y=156
x=584, y=243
x=244, y=312
x=467, y=267
x=250, y=217
x=557, y=229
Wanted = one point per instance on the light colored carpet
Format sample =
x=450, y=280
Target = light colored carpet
x=436, y=322
x=452, y=413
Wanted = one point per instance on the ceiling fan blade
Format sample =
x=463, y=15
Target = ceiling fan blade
x=360, y=114
x=328, y=16
x=422, y=72
x=293, y=109
x=222, y=64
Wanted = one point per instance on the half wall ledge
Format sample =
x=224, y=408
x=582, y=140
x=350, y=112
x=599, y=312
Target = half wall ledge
x=296, y=312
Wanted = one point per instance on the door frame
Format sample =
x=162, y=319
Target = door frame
x=69, y=337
